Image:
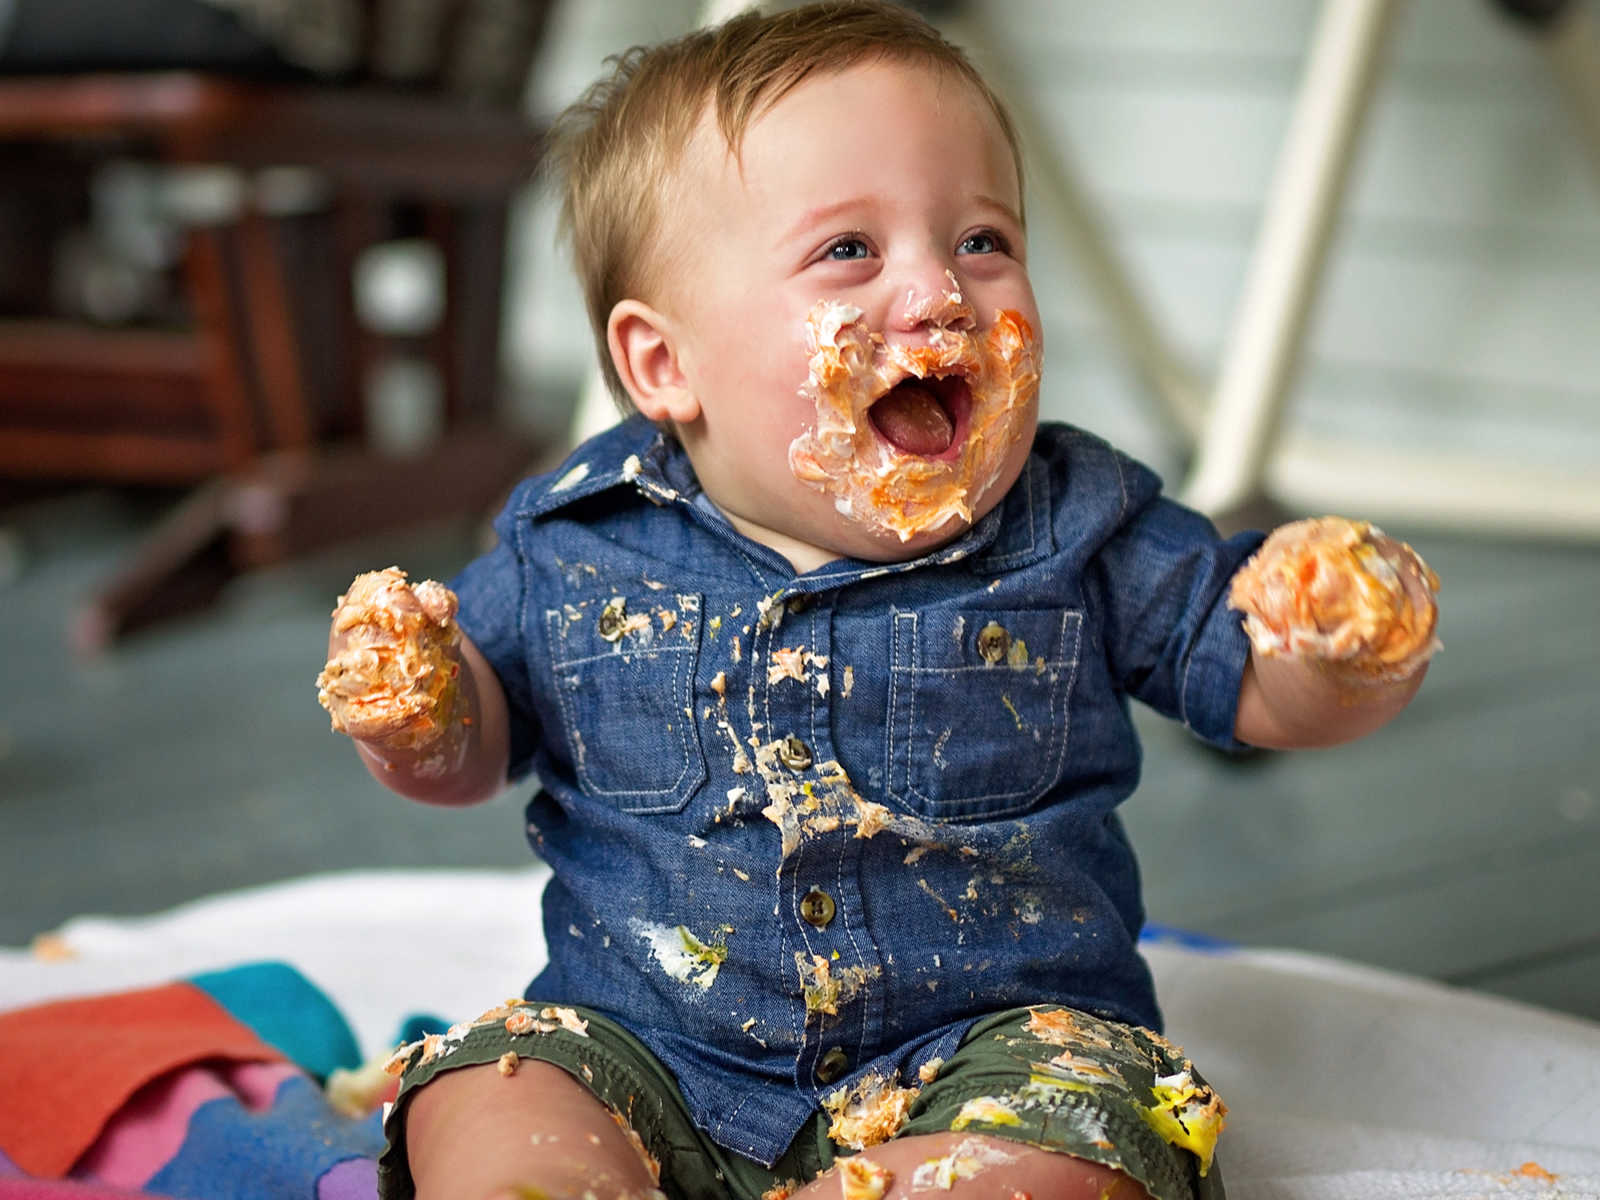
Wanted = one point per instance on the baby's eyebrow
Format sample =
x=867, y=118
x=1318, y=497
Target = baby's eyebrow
x=820, y=215
x=1005, y=209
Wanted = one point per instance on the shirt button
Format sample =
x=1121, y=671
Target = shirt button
x=613, y=618
x=832, y=1065
x=993, y=642
x=798, y=604
x=817, y=907
x=794, y=754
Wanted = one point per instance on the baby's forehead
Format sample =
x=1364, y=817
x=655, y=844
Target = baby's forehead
x=816, y=105
x=732, y=111
x=715, y=146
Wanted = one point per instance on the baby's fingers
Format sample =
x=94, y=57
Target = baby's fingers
x=1342, y=593
x=1416, y=578
x=393, y=663
x=1408, y=641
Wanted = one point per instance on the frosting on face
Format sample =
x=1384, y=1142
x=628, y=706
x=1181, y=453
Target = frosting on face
x=984, y=383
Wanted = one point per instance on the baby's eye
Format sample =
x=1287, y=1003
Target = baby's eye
x=985, y=241
x=848, y=248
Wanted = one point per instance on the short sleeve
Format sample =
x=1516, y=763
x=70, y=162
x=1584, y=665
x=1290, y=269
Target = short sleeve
x=1171, y=639
x=491, y=593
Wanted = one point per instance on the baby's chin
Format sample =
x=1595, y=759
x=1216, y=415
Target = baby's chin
x=885, y=546
x=808, y=528
x=811, y=536
x=843, y=536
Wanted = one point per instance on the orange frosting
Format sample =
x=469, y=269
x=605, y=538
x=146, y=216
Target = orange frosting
x=1336, y=590
x=852, y=367
x=393, y=676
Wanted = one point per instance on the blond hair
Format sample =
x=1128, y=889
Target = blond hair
x=615, y=150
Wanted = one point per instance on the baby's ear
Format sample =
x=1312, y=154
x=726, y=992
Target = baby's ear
x=646, y=358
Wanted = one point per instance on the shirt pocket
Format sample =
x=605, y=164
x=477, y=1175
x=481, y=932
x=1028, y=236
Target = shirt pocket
x=979, y=708
x=624, y=677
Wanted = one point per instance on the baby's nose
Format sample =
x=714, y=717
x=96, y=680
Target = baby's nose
x=936, y=302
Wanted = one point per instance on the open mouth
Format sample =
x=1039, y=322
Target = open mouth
x=923, y=416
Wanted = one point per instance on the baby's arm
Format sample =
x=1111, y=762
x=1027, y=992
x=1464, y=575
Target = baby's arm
x=424, y=708
x=1341, y=623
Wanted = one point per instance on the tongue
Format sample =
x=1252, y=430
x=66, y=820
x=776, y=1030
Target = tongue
x=912, y=420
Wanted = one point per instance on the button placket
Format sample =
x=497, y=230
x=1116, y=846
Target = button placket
x=819, y=875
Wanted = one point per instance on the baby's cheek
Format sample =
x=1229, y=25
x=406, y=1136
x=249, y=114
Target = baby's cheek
x=1011, y=468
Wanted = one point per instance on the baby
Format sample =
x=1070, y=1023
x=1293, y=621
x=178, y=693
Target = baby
x=822, y=661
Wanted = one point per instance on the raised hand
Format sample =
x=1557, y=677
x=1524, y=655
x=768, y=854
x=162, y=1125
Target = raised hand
x=1341, y=593
x=394, y=665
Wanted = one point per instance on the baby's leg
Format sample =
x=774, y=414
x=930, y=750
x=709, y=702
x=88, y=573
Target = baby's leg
x=1036, y=1102
x=987, y=1167
x=472, y=1134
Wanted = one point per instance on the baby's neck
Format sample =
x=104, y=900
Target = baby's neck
x=802, y=556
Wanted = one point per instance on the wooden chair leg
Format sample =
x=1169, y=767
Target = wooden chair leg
x=218, y=331
x=359, y=224
x=178, y=567
x=475, y=273
x=448, y=353
x=269, y=313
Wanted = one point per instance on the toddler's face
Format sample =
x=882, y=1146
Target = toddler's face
x=874, y=210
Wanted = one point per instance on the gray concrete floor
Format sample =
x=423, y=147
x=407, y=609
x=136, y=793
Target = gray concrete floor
x=1462, y=843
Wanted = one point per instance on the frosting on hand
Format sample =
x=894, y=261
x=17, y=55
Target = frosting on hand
x=1341, y=592
x=394, y=672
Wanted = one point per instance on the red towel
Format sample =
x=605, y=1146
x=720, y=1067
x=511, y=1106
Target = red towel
x=55, y=1189
x=66, y=1067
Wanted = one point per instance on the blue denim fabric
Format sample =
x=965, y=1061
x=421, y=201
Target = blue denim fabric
x=635, y=633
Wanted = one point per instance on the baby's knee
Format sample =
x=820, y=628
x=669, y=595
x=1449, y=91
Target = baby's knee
x=974, y=1165
x=516, y=1130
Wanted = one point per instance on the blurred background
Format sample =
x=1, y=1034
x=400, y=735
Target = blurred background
x=266, y=328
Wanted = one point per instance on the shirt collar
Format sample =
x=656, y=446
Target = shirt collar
x=634, y=453
x=626, y=454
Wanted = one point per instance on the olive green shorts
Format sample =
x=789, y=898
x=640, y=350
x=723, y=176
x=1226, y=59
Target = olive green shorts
x=1050, y=1077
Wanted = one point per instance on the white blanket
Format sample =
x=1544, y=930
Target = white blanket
x=1343, y=1082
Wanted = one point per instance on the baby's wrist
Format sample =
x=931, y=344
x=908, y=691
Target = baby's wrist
x=438, y=753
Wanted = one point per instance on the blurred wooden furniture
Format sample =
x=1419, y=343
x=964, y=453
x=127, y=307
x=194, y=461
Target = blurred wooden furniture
x=259, y=396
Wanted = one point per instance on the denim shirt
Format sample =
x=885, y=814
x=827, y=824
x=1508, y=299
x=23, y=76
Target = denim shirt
x=805, y=828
